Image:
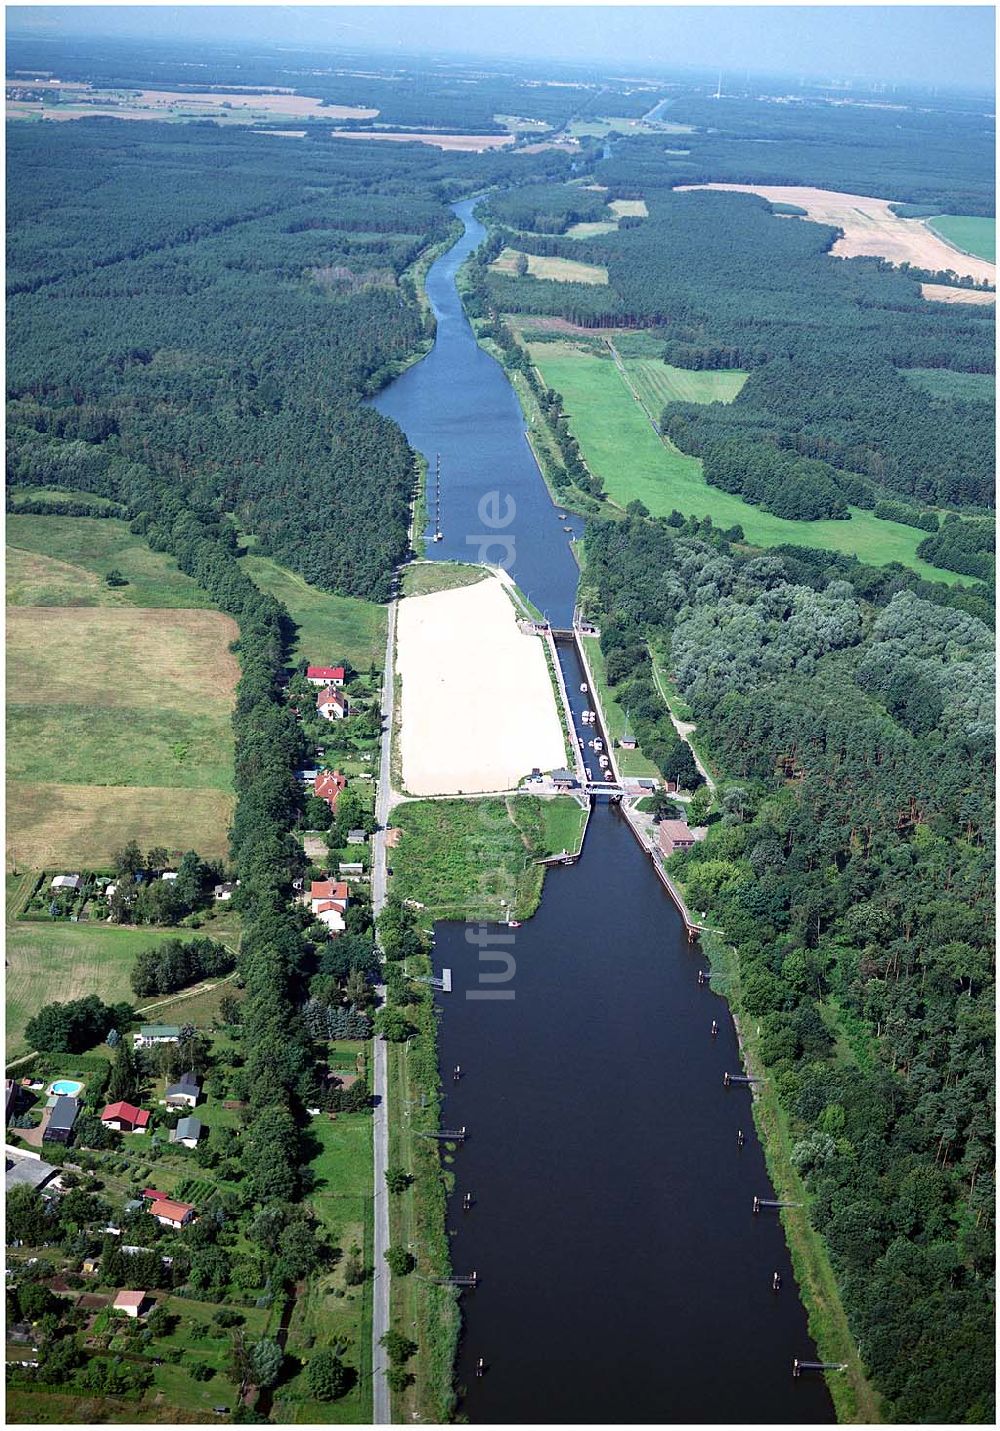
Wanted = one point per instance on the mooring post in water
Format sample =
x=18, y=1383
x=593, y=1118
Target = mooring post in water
x=701, y=976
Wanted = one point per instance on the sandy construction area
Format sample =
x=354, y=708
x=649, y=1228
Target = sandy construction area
x=870, y=227
x=476, y=143
x=941, y=293
x=478, y=710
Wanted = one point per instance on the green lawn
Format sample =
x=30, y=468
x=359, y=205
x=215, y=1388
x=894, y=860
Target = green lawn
x=57, y=961
x=658, y=383
x=62, y=561
x=943, y=383
x=619, y=445
x=967, y=232
x=563, y=824
x=331, y=628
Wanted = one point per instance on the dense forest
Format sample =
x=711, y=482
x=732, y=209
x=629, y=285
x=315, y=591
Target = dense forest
x=851, y=865
x=218, y=304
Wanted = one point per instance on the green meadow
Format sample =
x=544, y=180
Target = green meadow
x=968, y=232
x=657, y=383
x=330, y=628
x=620, y=446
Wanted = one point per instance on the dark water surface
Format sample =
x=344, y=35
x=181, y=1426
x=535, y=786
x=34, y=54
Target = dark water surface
x=457, y=402
x=623, y=1275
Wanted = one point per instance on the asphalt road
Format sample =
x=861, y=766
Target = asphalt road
x=381, y=1408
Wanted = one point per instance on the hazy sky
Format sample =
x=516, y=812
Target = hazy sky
x=944, y=45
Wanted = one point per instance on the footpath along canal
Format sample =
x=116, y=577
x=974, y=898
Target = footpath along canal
x=622, y=1273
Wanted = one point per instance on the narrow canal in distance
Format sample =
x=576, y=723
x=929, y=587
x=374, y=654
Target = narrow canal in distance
x=623, y=1275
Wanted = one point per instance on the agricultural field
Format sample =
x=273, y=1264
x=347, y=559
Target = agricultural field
x=561, y=270
x=592, y=230
x=117, y=698
x=658, y=383
x=943, y=383
x=944, y=293
x=619, y=444
x=330, y=628
x=63, y=561
x=629, y=208
x=967, y=233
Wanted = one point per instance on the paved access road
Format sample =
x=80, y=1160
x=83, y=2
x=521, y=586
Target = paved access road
x=381, y=1409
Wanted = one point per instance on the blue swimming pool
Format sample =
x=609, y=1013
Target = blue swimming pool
x=67, y=1087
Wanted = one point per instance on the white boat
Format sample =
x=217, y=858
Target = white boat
x=597, y=743
x=583, y=688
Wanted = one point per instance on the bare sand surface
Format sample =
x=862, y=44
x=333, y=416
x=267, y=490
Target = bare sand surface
x=475, y=143
x=870, y=227
x=941, y=293
x=478, y=710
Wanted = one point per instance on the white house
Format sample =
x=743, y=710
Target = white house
x=328, y=899
x=325, y=675
x=151, y=1034
x=66, y=882
x=187, y=1132
x=332, y=704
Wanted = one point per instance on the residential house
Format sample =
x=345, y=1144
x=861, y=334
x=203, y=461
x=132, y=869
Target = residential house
x=350, y=869
x=222, y=892
x=130, y=1303
x=357, y=837
x=125, y=1118
x=677, y=835
x=169, y=876
x=325, y=676
x=73, y=882
x=332, y=704
x=187, y=1132
x=151, y=1034
x=328, y=899
x=59, y=1128
x=170, y=1213
x=328, y=785
x=184, y=1094
x=24, y=1169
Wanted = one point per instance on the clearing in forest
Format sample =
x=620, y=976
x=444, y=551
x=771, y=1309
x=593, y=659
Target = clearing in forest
x=330, y=628
x=473, y=143
x=869, y=227
x=561, y=270
x=619, y=444
x=968, y=233
x=942, y=293
x=658, y=383
x=478, y=709
x=629, y=208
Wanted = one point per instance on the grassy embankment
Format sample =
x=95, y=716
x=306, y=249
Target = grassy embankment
x=118, y=698
x=424, y=578
x=854, y=1397
x=621, y=447
x=476, y=859
x=968, y=233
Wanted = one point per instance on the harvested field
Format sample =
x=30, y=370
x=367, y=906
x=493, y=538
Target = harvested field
x=228, y=106
x=591, y=230
x=478, y=709
x=474, y=143
x=128, y=657
x=941, y=293
x=869, y=227
x=561, y=270
x=54, y=824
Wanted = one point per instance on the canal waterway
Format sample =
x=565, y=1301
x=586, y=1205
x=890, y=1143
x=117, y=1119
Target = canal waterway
x=623, y=1274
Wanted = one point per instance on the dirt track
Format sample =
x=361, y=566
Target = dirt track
x=869, y=227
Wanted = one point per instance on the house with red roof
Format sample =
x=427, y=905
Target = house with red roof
x=125, y=1118
x=131, y=1303
x=325, y=675
x=169, y=1213
x=328, y=785
x=328, y=899
x=332, y=704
